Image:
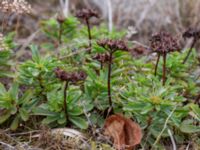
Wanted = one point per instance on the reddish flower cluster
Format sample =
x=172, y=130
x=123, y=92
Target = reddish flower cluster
x=113, y=45
x=72, y=77
x=163, y=42
x=86, y=14
x=191, y=32
x=195, y=35
x=60, y=19
x=102, y=57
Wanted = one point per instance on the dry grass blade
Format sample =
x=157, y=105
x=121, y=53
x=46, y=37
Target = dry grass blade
x=6, y=146
x=67, y=132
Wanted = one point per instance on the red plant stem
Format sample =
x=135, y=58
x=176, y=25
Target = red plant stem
x=89, y=34
x=190, y=50
x=65, y=99
x=156, y=67
x=164, y=68
x=109, y=79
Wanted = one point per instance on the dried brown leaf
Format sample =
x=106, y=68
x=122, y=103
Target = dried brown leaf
x=125, y=133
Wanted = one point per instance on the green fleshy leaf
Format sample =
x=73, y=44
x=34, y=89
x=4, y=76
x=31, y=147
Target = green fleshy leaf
x=50, y=119
x=15, y=123
x=14, y=91
x=4, y=116
x=2, y=89
x=79, y=122
x=26, y=97
x=188, y=127
x=24, y=114
x=35, y=53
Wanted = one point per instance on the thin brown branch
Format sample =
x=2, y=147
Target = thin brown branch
x=190, y=50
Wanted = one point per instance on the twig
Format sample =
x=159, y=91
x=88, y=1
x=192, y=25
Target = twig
x=88, y=119
x=110, y=16
x=26, y=43
x=138, y=43
x=190, y=50
x=188, y=146
x=9, y=137
x=164, y=127
x=7, y=145
x=24, y=133
x=145, y=13
x=87, y=115
x=74, y=53
x=65, y=7
x=172, y=139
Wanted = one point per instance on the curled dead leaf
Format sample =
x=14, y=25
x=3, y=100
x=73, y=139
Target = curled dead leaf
x=125, y=133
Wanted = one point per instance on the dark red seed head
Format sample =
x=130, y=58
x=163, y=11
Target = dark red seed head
x=72, y=76
x=164, y=42
x=192, y=33
x=113, y=45
x=86, y=14
x=103, y=58
x=60, y=19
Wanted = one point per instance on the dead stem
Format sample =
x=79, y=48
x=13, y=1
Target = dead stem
x=190, y=50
